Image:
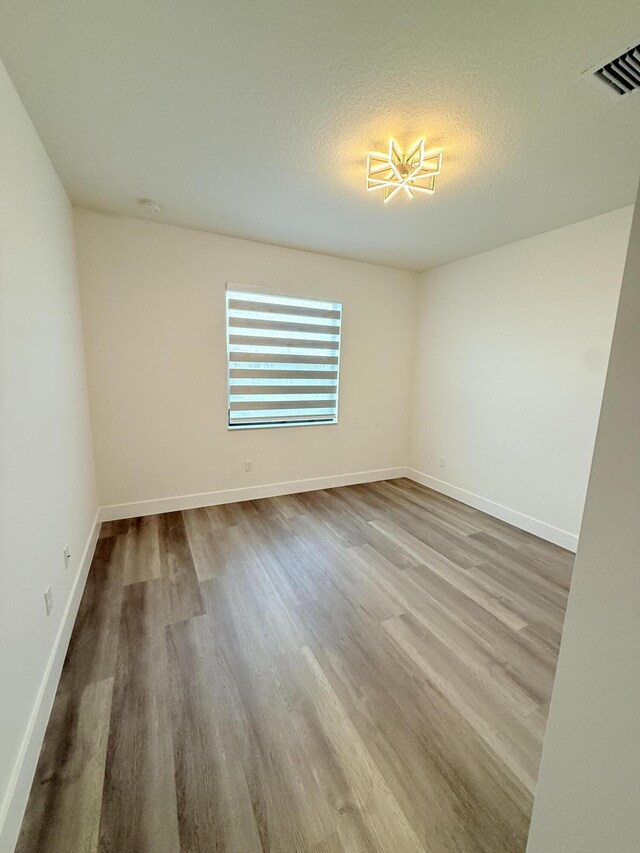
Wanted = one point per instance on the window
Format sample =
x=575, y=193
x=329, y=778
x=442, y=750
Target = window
x=283, y=357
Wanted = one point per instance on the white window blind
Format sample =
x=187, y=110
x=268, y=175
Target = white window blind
x=283, y=356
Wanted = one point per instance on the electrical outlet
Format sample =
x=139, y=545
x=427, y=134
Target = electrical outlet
x=442, y=462
x=248, y=465
x=67, y=557
x=48, y=599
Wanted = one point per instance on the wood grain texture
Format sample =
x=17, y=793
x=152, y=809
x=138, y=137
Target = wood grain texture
x=70, y=774
x=366, y=668
x=139, y=802
x=142, y=550
x=93, y=648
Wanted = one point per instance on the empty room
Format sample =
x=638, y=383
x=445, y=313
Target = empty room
x=319, y=426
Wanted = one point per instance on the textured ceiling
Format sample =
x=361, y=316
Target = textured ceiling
x=253, y=117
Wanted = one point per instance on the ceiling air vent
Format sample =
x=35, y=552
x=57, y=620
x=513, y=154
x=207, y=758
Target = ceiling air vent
x=622, y=74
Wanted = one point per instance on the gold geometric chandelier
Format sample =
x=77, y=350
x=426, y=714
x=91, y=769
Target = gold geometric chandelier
x=395, y=171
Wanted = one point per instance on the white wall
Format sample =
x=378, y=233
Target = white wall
x=511, y=359
x=588, y=794
x=153, y=303
x=47, y=497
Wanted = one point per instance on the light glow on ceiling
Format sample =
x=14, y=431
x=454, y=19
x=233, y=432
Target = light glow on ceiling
x=411, y=172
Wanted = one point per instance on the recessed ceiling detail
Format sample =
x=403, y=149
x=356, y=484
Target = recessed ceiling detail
x=395, y=171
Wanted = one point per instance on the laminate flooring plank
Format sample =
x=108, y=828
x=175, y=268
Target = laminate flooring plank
x=233, y=514
x=303, y=738
x=453, y=790
x=374, y=505
x=93, y=647
x=142, y=550
x=519, y=677
x=423, y=528
x=543, y=638
x=348, y=528
x=370, y=817
x=346, y=498
x=451, y=572
x=115, y=528
x=537, y=719
x=442, y=520
x=290, y=810
x=208, y=728
x=208, y=536
x=249, y=601
x=342, y=574
x=207, y=539
x=544, y=579
x=551, y=558
x=139, y=811
x=288, y=505
x=63, y=815
x=180, y=587
x=530, y=606
x=546, y=560
x=218, y=516
x=329, y=845
x=437, y=502
x=474, y=651
x=507, y=653
x=344, y=526
x=507, y=736
x=548, y=553
x=345, y=571
x=295, y=572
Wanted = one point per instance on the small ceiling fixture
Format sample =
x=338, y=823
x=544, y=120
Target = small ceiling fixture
x=149, y=206
x=395, y=171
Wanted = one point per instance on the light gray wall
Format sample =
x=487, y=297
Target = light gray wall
x=154, y=312
x=510, y=366
x=588, y=797
x=47, y=491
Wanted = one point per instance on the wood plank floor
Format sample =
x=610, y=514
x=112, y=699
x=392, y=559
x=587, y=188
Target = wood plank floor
x=360, y=669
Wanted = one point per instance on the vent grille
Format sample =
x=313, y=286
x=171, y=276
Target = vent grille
x=622, y=74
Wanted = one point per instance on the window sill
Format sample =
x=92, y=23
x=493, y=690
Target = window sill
x=234, y=427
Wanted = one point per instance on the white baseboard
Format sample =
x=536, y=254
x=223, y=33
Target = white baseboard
x=248, y=493
x=270, y=490
x=511, y=516
x=15, y=801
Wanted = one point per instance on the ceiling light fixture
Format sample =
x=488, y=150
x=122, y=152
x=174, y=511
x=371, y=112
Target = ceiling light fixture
x=395, y=171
